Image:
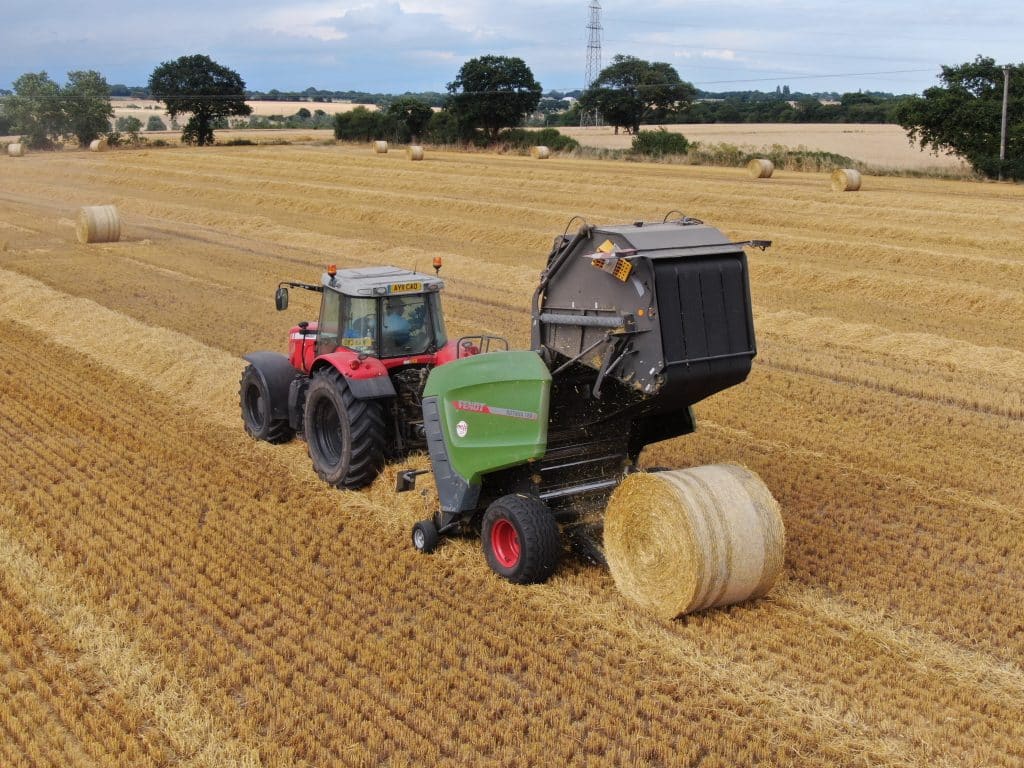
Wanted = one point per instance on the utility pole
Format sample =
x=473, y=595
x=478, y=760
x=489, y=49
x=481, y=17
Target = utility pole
x=1002, y=133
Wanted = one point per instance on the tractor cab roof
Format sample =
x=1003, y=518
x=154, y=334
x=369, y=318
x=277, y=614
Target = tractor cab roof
x=381, y=281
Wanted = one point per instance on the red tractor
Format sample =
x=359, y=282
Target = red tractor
x=352, y=382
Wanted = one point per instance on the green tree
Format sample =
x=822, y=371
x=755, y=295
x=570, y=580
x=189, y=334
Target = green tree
x=413, y=114
x=201, y=87
x=660, y=143
x=442, y=128
x=130, y=125
x=87, y=109
x=362, y=124
x=965, y=115
x=155, y=124
x=36, y=110
x=492, y=92
x=631, y=91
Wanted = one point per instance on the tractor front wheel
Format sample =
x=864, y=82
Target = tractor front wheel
x=521, y=539
x=345, y=436
x=258, y=411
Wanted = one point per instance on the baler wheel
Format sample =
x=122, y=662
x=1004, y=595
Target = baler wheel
x=345, y=436
x=425, y=536
x=257, y=410
x=521, y=539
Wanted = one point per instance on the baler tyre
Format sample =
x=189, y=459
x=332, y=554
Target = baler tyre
x=258, y=411
x=345, y=436
x=521, y=539
x=425, y=536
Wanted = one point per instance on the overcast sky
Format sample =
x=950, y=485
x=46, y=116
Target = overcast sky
x=416, y=45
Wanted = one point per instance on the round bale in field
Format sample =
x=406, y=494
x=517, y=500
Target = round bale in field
x=99, y=145
x=541, y=152
x=761, y=168
x=415, y=152
x=845, y=180
x=16, y=150
x=684, y=540
x=380, y=147
x=98, y=224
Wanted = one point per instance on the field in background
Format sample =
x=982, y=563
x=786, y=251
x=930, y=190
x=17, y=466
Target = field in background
x=175, y=593
x=141, y=108
x=879, y=146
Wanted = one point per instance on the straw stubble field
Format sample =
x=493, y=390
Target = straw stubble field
x=175, y=594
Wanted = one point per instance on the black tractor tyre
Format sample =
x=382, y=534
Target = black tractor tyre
x=521, y=539
x=345, y=436
x=257, y=409
x=425, y=537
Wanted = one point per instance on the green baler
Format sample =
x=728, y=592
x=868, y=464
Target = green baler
x=631, y=326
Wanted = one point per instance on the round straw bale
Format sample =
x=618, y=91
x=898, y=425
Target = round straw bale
x=16, y=150
x=689, y=539
x=761, y=168
x=845, y=180
x=541, y=152
x=99, y=145
x=380, y=147
x=98, y=224
x=415, y=152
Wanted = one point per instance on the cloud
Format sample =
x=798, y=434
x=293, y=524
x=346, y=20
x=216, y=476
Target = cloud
x=722, y=54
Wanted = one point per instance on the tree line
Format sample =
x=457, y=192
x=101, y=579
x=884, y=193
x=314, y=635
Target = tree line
x=491, y=94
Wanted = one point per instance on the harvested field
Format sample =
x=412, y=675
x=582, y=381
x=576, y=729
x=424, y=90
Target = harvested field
x=141, y=108
x=879, y=146
x=177, y=594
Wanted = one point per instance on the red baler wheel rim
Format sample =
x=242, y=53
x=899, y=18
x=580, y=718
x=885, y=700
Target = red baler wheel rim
x=505, y=543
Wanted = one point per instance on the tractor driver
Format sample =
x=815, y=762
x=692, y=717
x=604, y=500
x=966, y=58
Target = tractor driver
x=396, y=328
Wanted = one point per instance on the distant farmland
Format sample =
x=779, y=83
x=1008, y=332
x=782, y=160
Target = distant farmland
x=881, y=146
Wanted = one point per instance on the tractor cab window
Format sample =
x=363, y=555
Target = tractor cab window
x=359, y=320
x=409, y=325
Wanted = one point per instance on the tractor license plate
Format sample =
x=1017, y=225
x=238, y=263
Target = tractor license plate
x=406, y=288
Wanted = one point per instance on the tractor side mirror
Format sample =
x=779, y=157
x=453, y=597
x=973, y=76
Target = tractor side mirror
x=281, y=298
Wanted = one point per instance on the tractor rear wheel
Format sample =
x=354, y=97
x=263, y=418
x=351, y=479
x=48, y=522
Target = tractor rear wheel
x=521, y=539
x=345, y=436
x=257, y=409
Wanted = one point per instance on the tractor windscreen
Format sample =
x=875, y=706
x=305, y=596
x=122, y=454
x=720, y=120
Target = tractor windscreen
x=358, y=323
x=411, y=325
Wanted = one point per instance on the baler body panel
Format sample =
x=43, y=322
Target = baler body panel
x=493, y=410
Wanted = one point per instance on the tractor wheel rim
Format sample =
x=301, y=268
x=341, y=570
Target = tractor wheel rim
x=505, y=543
x=327, y=433
x=254, y=403
x=418, y=538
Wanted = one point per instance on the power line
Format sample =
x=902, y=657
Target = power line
x=800, y=54
x=815, y=77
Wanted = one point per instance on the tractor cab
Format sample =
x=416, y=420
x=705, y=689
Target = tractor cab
x=381, y=312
